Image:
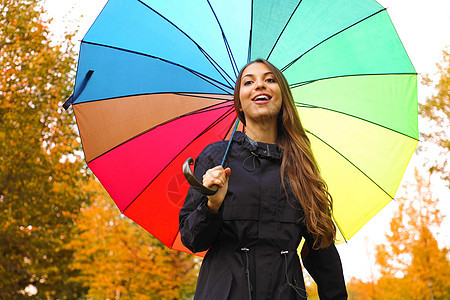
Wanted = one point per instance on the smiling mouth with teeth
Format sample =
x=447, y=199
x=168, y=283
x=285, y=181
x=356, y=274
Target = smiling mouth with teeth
x=262, y=98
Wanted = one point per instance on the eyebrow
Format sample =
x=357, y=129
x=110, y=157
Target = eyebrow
x=270, y=72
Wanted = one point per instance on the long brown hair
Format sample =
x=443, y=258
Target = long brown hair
x=298, y=164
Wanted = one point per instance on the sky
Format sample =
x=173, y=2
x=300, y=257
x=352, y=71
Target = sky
x=423, y=27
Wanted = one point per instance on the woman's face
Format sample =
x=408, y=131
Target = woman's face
x=260, y=94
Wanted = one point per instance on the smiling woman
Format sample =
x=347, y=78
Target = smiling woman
x=353, y=85
x=260, y=102
x=269, y=196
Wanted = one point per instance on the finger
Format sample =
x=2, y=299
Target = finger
x=213, y=171
x=219, y=174
x=218, y=182
x=209, y=181
x=215, y=178
x=216, y=168
x=222, y=175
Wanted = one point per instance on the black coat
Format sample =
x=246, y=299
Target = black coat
x=254, y=237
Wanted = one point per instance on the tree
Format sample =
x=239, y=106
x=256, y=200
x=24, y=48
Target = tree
x=436, y=110
x=358, y=289
x=39, y=175
x=119, y=259
x=412, y=264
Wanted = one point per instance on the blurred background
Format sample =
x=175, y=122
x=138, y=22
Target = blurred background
x=62, y=237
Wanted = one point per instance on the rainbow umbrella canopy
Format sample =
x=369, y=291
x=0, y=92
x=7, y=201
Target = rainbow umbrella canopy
x=155, y=80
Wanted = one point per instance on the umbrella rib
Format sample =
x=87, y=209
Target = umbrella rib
x=207, y=80
x=227, y=113
x=250, y=35
x=299, y=84
x=339, y=227
x=211, y=60
x=231, y=56
x=198, y=111
x=211, y=81
x=306, y=105
x=356, y=167
x=331, y=36
x=232, y=125
x=282, y=31
x=203, y=97
x=204, y=110
x=194, y=95
x=227, y=45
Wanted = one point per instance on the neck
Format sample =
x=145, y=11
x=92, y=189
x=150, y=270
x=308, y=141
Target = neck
x=262, y=132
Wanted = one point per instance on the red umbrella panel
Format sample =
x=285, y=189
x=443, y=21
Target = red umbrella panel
x=143, y=174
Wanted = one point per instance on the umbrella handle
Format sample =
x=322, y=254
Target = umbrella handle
x=197, y=185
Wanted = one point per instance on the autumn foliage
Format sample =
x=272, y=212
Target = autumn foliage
x=39, y=195
x=436, y=110
x=118, y=259
x=60, y=235
x=411, y=263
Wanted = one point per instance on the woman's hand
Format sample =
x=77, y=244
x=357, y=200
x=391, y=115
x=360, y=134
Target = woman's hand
x=217, y=176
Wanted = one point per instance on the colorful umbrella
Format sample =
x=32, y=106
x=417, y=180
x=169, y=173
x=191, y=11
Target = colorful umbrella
x=155, y=79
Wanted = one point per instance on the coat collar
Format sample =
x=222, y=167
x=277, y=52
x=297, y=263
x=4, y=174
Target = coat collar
x=260, y=149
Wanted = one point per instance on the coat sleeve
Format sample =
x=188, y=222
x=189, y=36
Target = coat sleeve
x=199, y=226
x=325, y=267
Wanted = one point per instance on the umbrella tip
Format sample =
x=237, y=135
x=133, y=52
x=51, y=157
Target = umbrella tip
x=68, y=102
x=83, y=85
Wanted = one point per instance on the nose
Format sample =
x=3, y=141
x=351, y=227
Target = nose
x=260, y=84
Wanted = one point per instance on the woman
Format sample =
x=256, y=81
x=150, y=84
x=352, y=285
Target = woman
x=269, y=195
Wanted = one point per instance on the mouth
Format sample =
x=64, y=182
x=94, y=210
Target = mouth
x=262, y=98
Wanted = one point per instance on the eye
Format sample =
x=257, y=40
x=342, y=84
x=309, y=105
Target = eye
x=271, y=80
x=247, y=82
